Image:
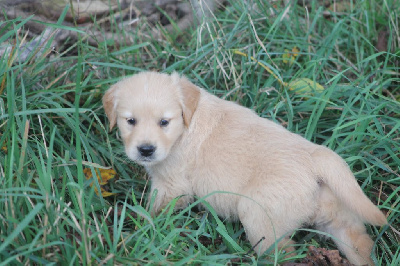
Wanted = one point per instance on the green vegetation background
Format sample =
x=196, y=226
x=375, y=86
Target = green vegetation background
x=52, y=127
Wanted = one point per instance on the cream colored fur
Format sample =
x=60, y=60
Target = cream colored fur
x=213, y=145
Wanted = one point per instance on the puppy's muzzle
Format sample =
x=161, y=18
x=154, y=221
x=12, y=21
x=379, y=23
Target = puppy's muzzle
x=146, y=150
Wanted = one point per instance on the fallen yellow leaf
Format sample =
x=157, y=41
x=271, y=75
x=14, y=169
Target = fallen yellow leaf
x=104, y=192
x=103, y=175
x=305, y=86
x=290, y=56
x=295, y=51
x=286, y=56
x=300, y=85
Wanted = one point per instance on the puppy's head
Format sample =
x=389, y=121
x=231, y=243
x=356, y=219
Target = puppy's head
x=151, y=111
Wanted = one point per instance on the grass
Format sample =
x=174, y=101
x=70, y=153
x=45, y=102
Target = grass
x=52, y=127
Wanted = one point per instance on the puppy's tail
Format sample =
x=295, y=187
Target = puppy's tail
x=336, y=174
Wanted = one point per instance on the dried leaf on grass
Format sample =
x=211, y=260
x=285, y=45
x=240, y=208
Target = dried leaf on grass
x=290, y=56
x=103, y=176
x=322, y=257
x=305, y=85
x=300, y=85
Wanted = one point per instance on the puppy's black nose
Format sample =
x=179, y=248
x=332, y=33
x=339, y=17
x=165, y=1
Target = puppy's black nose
x=146, y=150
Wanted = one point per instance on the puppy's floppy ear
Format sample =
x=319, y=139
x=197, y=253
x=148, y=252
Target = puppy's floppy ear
x=109, y=105
x=190, y=95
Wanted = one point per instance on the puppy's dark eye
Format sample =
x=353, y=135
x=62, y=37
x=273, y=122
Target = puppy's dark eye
x=164, y=123
x=131, y=121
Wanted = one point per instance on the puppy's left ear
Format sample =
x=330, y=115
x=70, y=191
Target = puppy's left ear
x=191, y=96
x=109, y=105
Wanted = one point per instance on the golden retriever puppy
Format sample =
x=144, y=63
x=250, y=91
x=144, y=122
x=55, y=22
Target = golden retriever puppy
x=193, y=143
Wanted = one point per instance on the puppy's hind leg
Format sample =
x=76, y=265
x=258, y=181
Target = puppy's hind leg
x=275, y=206
x=353, y=241
x=347, y=229
x=262, y=231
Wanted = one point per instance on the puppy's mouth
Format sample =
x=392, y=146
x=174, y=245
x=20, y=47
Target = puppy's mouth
x=146, y=154
x=145, y=160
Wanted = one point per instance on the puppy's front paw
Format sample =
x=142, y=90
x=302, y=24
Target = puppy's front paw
x=160, y=204
x=156, y=204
